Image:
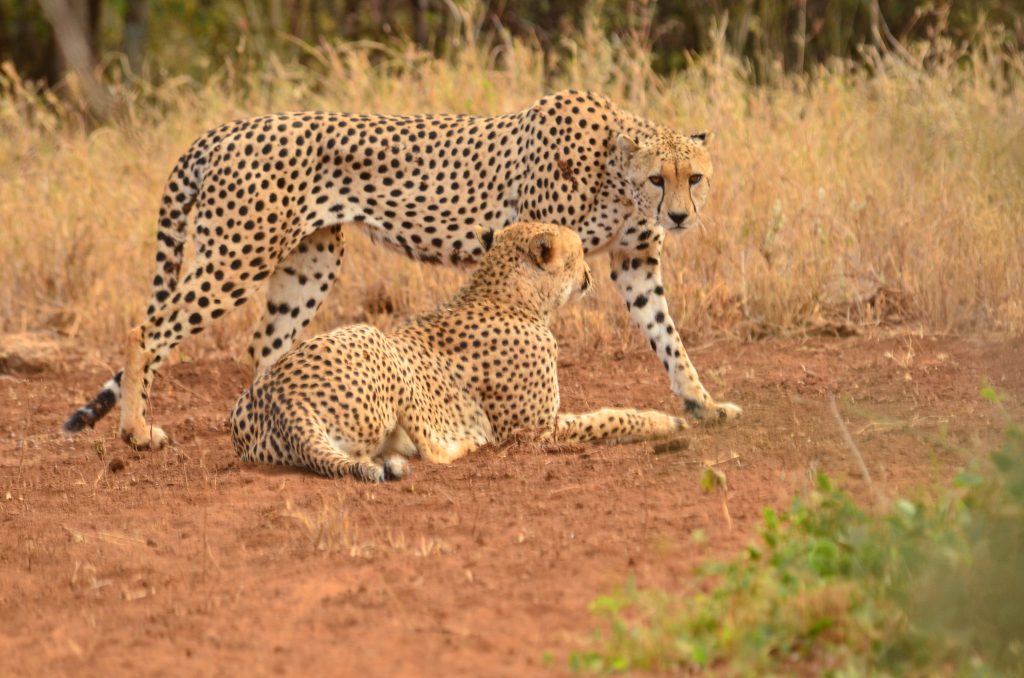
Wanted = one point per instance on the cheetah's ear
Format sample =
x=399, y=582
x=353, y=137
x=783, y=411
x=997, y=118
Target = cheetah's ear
x=486, y=237
x=703, y=138
x=627, y=146
x=542, y=250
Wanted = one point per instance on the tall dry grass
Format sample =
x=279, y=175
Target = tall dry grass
x=892, y=192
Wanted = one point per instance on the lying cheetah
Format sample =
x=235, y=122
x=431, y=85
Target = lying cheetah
x=473, y=371
x=270, y=196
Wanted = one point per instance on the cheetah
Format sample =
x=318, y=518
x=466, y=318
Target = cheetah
x=271, y=196
x=480, y=367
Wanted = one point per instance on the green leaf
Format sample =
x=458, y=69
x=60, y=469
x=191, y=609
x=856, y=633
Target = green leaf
x=988, y=393
x=967, y=480
x=712, y=479
x=606, y=604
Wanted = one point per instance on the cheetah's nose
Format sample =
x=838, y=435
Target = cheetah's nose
x=678, y=217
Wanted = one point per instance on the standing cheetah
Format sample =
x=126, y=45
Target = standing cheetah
x=472, y=372
x=270, y=197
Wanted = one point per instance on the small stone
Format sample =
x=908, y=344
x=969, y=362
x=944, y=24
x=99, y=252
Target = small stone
x=29, y=353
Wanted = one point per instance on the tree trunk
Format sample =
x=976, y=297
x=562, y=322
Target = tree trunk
x=419, y=16
x=136, y=24
x=75, y=24
x=801, y=35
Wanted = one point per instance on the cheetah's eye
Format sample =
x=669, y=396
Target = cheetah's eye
x=695, y=179
x=657, y=180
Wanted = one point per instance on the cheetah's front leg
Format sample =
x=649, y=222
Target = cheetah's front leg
x=614, y=426
x=441, y=444
x=636, y=270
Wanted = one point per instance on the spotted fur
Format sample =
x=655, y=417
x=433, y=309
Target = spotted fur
x=269, y=198
x=482, y=366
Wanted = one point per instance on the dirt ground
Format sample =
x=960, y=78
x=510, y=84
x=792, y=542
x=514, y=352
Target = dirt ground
x=186, y=561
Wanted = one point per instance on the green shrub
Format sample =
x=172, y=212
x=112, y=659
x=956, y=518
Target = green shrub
x=925, y=588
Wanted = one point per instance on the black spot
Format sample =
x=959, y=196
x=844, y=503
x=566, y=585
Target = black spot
x=488, y=239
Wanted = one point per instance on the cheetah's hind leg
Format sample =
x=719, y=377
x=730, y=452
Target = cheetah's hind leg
x=335, y=457
x=214, y=287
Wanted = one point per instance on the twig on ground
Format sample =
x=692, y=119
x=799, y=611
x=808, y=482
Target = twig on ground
x=853, y=448
x=708, y=463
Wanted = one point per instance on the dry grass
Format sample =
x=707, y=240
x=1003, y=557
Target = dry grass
x=851, y=197
x=329, y=528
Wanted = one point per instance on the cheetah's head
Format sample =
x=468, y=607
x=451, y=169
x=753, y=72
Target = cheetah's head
x=546, y=259
x=669, y=177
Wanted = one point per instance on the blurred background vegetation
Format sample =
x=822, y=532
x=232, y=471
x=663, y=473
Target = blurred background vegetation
x=158, y=39
x=869, y=153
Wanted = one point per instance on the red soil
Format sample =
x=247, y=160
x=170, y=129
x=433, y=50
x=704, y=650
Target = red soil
x=186, y=561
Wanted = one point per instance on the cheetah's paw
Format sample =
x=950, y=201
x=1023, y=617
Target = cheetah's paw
x=396, y=467
x=146, y=437
x=711, y=412
x=726, y=411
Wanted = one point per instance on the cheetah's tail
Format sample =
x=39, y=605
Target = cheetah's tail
x=98, y=407
x=179, y=196
x=618, y=426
